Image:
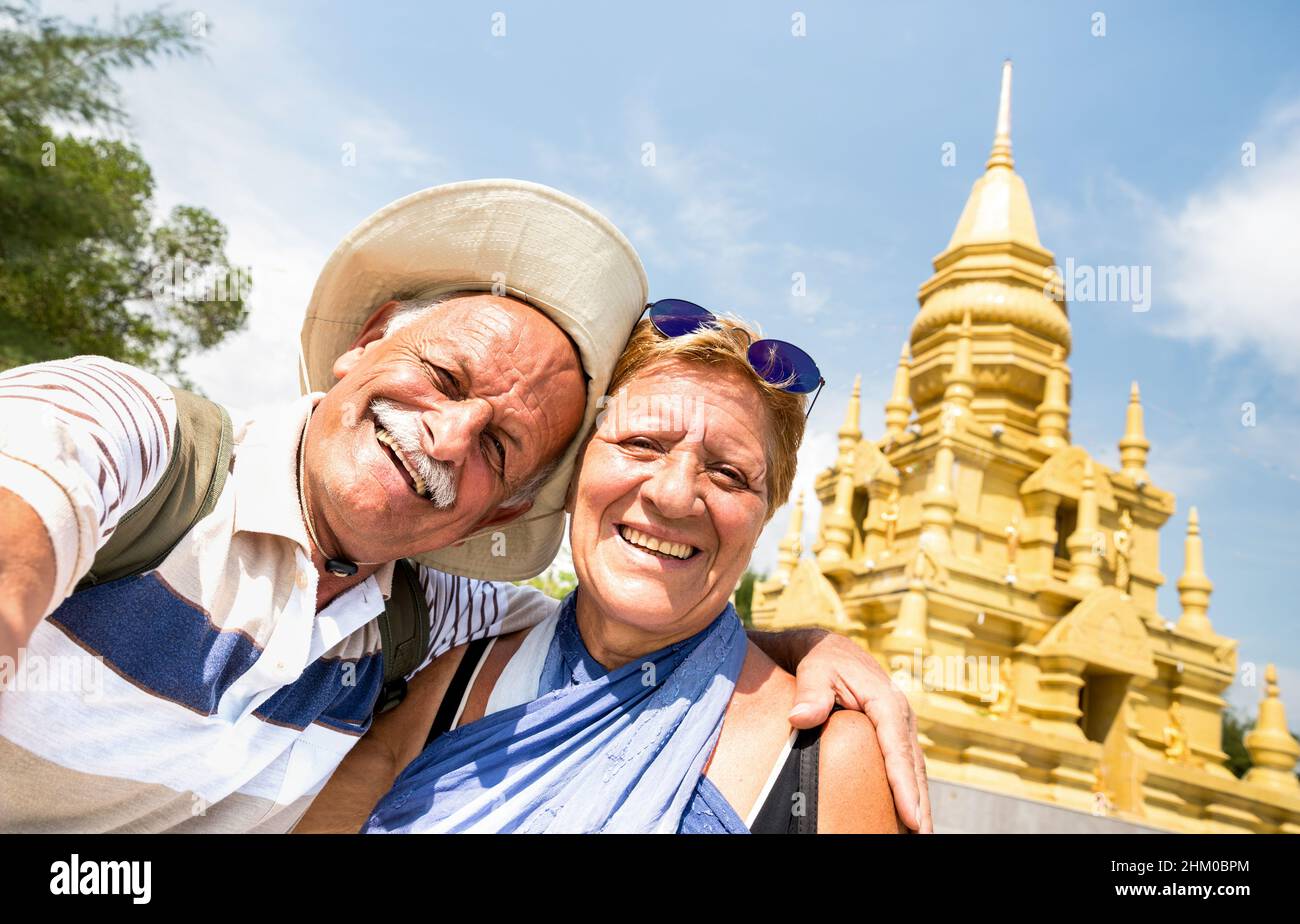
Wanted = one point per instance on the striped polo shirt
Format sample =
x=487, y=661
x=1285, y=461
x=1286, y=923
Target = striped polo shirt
x=208, y=694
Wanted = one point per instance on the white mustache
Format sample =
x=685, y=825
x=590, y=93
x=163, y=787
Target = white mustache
x=404, y=427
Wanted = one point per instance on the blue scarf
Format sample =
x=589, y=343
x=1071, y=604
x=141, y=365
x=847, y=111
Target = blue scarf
x=615, y=752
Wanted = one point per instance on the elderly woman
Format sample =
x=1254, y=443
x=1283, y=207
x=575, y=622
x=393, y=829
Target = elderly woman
x=639, y=704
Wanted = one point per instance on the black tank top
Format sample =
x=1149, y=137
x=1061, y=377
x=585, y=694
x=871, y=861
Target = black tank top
x=798, y=775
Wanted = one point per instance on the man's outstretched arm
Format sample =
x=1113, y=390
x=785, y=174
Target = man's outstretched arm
x=82, y=441
x=829, y=668
x=26, y=572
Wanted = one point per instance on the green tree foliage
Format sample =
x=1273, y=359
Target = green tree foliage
x=1235, y=726
x=83, y=266
x=554, y=583
x=745, y=595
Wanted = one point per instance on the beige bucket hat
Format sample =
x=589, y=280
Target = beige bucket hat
x=534, y=243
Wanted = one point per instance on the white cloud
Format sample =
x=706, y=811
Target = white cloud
x=808, y=306
x=1232, y=253
x=387, y=141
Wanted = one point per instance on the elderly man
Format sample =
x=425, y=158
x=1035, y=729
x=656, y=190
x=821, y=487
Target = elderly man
x=243, y=660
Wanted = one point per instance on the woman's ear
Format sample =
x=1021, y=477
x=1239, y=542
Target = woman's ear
x=371, y=333
x=571, y=495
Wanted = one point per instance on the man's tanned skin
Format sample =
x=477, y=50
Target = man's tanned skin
x=487, y=375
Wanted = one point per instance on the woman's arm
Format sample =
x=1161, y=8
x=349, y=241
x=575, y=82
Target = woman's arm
x=853, y=791
x=374, y=763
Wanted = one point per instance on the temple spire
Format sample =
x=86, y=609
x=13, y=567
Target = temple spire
x=1001, y=154
x=998, y=212
x=1194, y=587
x=959, y=384
x=898, y=409
x=995, y=267
x=909, y=634
x=1272, y=749
x=791, y=547
x=939, y=503
x=1133, y=444
x=837, y=524
x=1085, y=560
x=851, y=430
x=1054, y=411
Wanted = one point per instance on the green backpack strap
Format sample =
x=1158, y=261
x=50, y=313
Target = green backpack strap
x=187, y=492
x=403, y=632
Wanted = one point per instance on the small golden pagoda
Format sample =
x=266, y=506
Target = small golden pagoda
x=1008, y=579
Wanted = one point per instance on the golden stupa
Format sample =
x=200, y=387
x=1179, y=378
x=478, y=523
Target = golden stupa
x=1008, y=579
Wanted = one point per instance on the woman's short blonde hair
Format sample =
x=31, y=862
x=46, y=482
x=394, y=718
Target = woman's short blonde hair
x=725, y=346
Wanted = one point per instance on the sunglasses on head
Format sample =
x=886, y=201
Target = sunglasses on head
x=775, y=361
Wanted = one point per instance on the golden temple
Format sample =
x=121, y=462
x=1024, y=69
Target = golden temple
x=1008, y=579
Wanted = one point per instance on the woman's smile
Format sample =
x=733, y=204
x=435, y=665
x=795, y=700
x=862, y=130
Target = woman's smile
x=646, y=542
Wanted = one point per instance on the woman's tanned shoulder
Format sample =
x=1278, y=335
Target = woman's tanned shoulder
x=855, y=797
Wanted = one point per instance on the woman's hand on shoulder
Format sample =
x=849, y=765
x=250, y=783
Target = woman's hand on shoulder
x=853, y=792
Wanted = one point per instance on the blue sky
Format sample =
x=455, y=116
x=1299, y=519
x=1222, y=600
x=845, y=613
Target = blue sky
x=820, y=154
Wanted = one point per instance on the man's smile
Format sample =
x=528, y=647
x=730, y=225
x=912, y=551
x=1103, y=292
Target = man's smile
x=398, y=435
x=408, y=471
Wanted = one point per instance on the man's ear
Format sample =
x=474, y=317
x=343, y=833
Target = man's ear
x=371, y=332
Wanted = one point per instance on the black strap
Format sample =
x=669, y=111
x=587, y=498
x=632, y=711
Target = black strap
x=782, y=813
x=403, y=633
x=456, y=691
x=806, y=823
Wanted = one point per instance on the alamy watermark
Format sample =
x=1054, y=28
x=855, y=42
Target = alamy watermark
x=191, y=281
x=76, y=876
x=33, y=673
x=671, y=413
x=1082, y=282
x=978, y=674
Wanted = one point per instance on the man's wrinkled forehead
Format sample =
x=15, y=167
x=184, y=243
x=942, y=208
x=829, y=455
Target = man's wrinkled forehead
x=573, y=344
x=521, y=313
